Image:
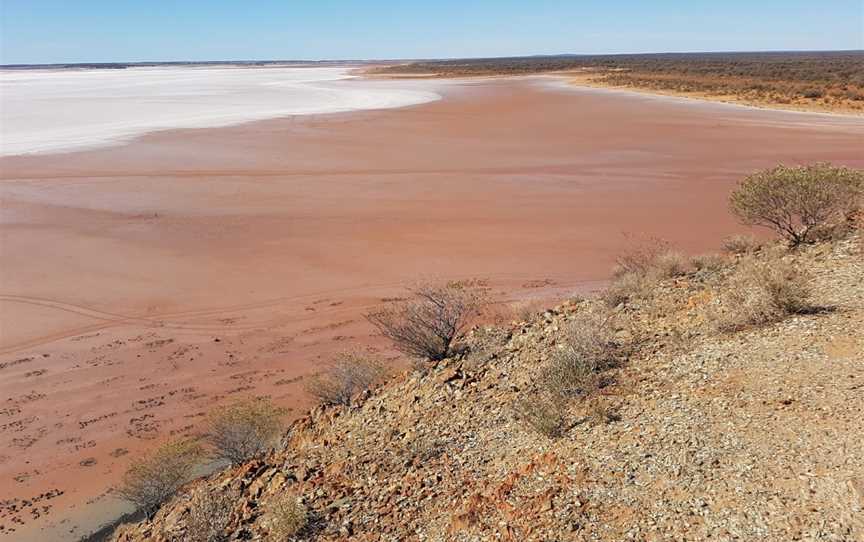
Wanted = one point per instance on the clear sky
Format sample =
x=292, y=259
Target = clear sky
x=43, y=31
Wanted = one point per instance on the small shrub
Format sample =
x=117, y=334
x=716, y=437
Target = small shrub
x=625, y=287
x=245, y=429
x=761, y=293
x=639, y=268
x=794, y=200
x=486, y=345
x=668, y=264
x=640, y=257
x=525, y=311
x=838, y=231
x=741, y=244
x=575, y=369
x=432, y=321
x=210, y=517
x=153, y=479
x=813, y=93
x=422, y=450
x=588, y=349
x=601, y=412
x=285, y=517
x=858, y=228
x=349, y=374
x=545, y=415
x=709, y=263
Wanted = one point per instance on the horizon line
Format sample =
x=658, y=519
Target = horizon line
x=428, y=59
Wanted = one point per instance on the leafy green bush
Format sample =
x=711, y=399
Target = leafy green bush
x=793, y=201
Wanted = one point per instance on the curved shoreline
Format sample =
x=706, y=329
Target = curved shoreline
x=110, y=108
x=570, y=81
x=684, y=98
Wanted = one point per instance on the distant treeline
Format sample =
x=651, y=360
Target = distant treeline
x=772, y=76
x=805, y=66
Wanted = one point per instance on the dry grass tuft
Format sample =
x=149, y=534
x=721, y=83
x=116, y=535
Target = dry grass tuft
x=543, y=414
x=741, y=244
x=284, y=518
x=708, y=263
x=153, y=479
x=602, y=412
x=210, y=517
x=486, y=344
x=245, y=429
x=640, y=267
x=624, y=288
x=760, y=293
x=575, y=370
x=526, y=311
x=650, y=257
x=588, y=349
x=346, y=376
x=668, y=264
x=421, y=450
x=853, y=223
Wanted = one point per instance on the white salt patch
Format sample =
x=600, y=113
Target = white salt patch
x=61, y=110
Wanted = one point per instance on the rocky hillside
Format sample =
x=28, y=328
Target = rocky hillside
x=754, y=434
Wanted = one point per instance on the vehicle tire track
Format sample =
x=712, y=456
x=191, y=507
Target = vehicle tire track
x=163, y=320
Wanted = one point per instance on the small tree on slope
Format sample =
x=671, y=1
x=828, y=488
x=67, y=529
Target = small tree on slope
x=429, y=323
x=793, y=201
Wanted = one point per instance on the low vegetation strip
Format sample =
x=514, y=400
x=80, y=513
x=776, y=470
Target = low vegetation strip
x=822, y=80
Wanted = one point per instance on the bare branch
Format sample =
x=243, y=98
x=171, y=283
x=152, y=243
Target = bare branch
x=429, y=323
x=245, y=429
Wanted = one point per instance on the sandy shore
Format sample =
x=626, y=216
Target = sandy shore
x=592, y=80
x=143, y=284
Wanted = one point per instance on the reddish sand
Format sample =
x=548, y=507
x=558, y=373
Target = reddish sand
x=144, y=283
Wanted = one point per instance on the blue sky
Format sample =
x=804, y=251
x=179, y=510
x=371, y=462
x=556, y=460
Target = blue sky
x=41, y=31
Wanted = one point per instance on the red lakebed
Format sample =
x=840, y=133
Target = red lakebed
x=142, y=284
